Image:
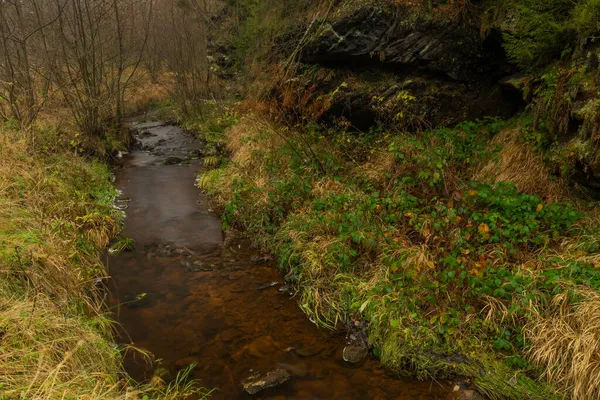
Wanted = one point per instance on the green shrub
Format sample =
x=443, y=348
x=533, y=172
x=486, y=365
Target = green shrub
x=540, y=34
x=586, y=18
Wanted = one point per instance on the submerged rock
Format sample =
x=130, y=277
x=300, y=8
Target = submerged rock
x=198, y=266
x=185, y=362
x=470, y=395
x=173, y=160
x=355, y=354
x=257, y=382
x=260, y=260
x=309, y=350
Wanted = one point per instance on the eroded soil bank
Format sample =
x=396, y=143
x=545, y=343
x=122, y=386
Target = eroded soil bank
x=188, y=298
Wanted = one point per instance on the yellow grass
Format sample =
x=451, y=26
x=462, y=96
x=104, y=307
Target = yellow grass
x=144, y=92
x=46, y=354
x=566, y=344
x=519, y=164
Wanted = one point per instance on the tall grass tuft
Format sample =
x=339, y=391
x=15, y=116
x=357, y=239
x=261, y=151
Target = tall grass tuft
x=566, y=343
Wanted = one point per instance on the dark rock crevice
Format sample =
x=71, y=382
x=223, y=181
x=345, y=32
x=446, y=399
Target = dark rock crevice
x=447, y=72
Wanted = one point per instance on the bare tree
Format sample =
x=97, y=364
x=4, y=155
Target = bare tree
x=87, y=52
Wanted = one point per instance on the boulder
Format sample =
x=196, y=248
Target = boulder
x=388, y=35
x=377, y=67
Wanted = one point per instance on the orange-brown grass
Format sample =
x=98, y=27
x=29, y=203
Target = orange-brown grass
x=144, y=92
x=520, y=164
x=249, y=141
x=375, y=170
x=566, y=344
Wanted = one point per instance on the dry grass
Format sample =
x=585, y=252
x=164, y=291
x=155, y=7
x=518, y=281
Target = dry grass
x=54, y=219
x=46, y=354
x=519, y=164
x=45, y=210
x=144, y=92
x=566, y=344
x=248, y=140
x=375, y=170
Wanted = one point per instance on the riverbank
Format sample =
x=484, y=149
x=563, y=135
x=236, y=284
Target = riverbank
x=56, y=220
x=457, y=247
x=189, y=295
x=56, y=216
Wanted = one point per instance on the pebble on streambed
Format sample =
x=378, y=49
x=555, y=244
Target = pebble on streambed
x=257, y=382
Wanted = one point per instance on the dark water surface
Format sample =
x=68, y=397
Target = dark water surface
x=186, y=299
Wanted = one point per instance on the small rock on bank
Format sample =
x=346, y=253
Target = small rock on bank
x=257, y=382
x=463, y=391
x=355, y=354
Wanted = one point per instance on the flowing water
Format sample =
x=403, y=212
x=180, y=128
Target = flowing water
x=187, y=298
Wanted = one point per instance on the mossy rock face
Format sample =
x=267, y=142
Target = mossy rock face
x=372, y=65
x=373, y=35
x=408, y=101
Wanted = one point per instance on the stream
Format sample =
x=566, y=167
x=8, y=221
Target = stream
x=185, y=297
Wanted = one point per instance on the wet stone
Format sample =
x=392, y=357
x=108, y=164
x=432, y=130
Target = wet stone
x=355, y=354
x=308, y=351
x=261, y=347
x=184, y=251
x=195, y=153
x=464, y=391
x=260, y=260
x=173, y=160
x=469, y=395
x=257, y=382
x=320, y=372
x=299, y=369
x=228, y=335
x=197, y=266
x=285, y=289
